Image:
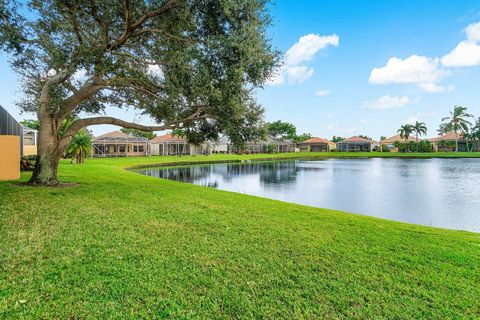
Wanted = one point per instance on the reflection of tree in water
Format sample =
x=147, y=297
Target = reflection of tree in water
x=269, y=172
x=185, y=174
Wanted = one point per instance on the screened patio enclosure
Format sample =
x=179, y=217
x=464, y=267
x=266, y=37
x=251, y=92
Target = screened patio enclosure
x=354, y=144
x=118, y=144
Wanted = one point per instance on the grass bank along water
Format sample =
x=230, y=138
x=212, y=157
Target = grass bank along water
x=122, y=245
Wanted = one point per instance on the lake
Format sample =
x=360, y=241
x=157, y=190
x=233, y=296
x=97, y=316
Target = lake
x=433, y=192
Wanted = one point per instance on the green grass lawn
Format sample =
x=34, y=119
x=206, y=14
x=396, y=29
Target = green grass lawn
x=123, y=245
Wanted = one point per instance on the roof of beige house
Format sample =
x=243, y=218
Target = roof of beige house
x=118, y=136
x=356, y=139
x=315, y=140
x=447, y=136
x=168, y=138
x=398, y=138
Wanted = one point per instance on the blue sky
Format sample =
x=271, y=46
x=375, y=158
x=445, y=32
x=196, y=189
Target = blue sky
x=358, y=67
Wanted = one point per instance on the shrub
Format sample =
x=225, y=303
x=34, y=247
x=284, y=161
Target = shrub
x=27, y=163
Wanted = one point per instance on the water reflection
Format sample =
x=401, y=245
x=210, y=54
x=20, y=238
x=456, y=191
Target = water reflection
x=437, y=192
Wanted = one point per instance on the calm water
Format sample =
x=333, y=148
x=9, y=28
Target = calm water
x=434, y=192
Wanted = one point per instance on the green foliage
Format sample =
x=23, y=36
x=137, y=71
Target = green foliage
x=412, y=146
x=27, y=163
x=80, y=147
x=270, y=148
x=446, y=146
x=457, y=122
x=168, y=59
x=420, y=129
x=337, y=139
x=32, y=124
x=302, y=137
x=442, y=129
x=405, y=131
x=139, y=133
x=281, y=130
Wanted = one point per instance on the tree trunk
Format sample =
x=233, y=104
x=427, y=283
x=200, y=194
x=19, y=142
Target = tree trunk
x=456, y=142
x=48, y=155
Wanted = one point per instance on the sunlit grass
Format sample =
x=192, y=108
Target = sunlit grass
x=124, y=245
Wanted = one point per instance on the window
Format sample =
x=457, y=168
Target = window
x=29, y=138
x=121, y=149
x=137, y=148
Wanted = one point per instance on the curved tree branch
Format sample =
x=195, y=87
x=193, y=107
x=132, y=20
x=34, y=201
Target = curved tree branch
x=81, y=123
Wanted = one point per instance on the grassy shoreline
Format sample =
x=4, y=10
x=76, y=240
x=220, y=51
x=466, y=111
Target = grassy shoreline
x=124, y=245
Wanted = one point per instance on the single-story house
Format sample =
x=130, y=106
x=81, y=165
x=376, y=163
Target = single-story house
x=446, y=142
x=29, y=141
x=119, y=144
x=389, y=143
x=169, y=144
x=355, y=144
x=316, y=144
x=11, y=133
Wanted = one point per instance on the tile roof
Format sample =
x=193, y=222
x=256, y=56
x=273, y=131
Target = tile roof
x=316, y=140
x=398, y=138
x=168, y=138
x=447, y=136
x=356, y=139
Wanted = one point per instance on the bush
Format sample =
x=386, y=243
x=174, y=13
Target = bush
x=385, y=148
x=27, y=163
x=412, y=146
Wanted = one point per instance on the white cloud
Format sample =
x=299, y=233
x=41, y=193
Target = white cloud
x=294, y=70
x=435, y=88
x=322, y=93
x=473, y=32
x=307, y=46
x=467, y=52
x=330, y=127
x=387, y=102
x=298, y=74
x=414, y=69
x=329, y=115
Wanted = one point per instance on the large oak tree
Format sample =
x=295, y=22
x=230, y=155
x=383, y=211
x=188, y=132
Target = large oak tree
x=189, y=64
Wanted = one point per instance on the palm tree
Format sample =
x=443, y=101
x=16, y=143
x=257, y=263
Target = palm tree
x=80, y=146
x=405, y=131
x=457, y=123
x=420, y=129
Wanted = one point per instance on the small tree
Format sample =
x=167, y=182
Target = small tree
x=457, y=122
x=80, y=147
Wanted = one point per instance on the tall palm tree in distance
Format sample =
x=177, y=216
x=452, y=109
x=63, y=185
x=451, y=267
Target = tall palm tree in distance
x=405, y=131
x=420, y=129
x=457, y=122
